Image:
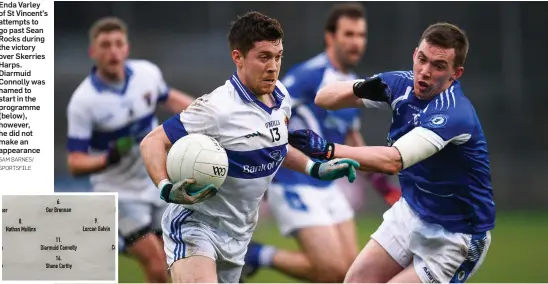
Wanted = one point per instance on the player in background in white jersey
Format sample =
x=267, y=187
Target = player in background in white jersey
x=207, y=230
x=108, y=115
x=317, y=213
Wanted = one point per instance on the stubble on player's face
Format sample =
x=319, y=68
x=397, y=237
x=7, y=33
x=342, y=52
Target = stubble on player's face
x=110, y=50
x=263, y=63
x=350, y=40
x=432, y=69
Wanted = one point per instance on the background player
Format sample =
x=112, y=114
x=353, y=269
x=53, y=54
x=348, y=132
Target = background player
x=317, y=212
x=206, y=241
x=440, y=230
x=108, y=114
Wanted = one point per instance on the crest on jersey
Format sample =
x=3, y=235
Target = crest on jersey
x=438, y=120
x=148, y=98
x=276, y=155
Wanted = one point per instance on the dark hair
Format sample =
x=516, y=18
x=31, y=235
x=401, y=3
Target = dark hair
x=350, y=10
x=253, y=27
x=447, y=35
x=105, y=25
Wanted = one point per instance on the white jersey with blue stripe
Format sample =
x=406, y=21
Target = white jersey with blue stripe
x=255, y=139
x=303, y=82
x=98, y=114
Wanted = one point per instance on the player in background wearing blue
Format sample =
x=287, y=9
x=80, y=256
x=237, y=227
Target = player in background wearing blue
x=207, y=230
x=108, y=115
x=316, y=212
x=439, y=231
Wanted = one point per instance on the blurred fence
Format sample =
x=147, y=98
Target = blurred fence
x=503, y=76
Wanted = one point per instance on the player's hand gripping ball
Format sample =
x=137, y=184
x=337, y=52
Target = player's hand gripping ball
x=197, y=165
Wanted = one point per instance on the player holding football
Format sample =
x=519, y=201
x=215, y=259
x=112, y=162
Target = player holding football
x=207, y=230
x=440, y=230
x=109, y=113
x=317, y=213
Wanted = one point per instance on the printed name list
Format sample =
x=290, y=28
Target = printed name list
x=22, y=43
x=59, y=237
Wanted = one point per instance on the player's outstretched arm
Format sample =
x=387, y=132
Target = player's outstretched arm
x=177, y=101
x=413, y=147
x=370, y=92
x=337, y=95
x=299, y=162
x=372, y=158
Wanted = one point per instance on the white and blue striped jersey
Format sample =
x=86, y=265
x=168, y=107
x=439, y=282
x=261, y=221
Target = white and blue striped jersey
x=303, y=82
x=255, y=139
x=98, y=114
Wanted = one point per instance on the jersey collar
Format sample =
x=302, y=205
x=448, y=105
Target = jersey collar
x=330, y=65
x=248, y=97
x=101, y=86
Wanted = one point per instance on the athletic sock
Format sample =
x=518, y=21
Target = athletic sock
x=266, y=255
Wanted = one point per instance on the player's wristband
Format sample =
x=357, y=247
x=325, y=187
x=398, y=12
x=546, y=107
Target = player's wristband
x=113, y=157
x=165, y=189
x=357, y=88
x=330, y=151
x=313, y=169
x=371, y=89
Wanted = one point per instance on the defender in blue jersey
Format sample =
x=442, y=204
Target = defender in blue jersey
x=315, y=212
x=440, y=230
x=108, y=115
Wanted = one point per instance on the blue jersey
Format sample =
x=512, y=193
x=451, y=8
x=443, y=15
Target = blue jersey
x=453, y=187
x=302, y=83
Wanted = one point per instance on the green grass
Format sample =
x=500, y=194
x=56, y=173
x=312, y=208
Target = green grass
x=518, y=250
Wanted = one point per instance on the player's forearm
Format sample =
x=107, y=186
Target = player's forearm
x=85, y=164
x=177, y=101
x=337, y=95
x=154, y=153
x=372, y=158
x=296, y=160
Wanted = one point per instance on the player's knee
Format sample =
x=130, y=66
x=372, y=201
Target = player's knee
x=352, y=278
x=156, y=270
x=159, y=271
x=333, y=273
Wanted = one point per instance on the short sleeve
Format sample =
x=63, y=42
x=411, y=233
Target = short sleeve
x=200, y=117
x=80, y=127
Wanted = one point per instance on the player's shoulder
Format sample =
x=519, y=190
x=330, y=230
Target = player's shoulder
x=282, y=89
x=219, y=101
x=451, y=100
x=399, y=83
x=397, y=77
x=283, y=94
x=143, y=66
x=454, y=104
x=84, y=94
x=311, y=70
